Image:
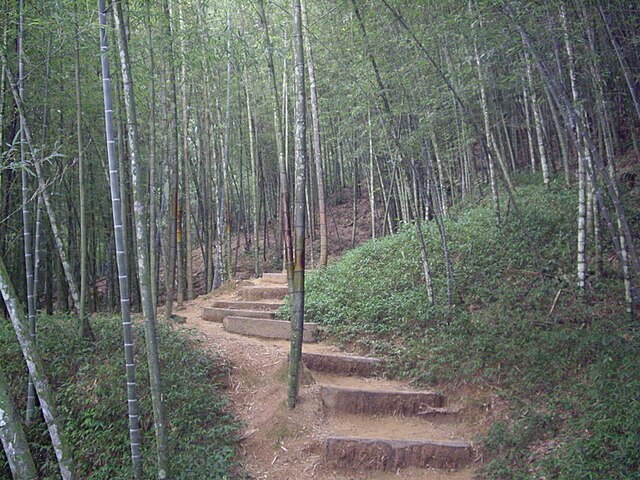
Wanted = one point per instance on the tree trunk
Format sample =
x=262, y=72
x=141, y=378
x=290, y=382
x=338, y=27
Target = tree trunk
x=26, y=215
x=34, y=365
x=537, y=122
x=297, y=297
x=582, y=158
x=121, y=254
x=372, y=198
x=488, y=136
x=185, y=161
x=152, y=167
x=14, y=441
x=254, y=181
x=144, y=274
x=285, y=222
x=81, y=177
x=317, y=152
x=221, y=218
x=173, y=170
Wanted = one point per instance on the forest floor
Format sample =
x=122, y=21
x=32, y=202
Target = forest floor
x=279, y=443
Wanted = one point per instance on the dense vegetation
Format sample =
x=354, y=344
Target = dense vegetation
x=89, y=384
x=570, y=371
x=145, y=145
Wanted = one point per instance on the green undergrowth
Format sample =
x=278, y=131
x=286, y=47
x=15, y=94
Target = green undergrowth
x=89, y=384
x=569, y=371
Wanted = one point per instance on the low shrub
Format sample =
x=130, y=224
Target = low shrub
x=89, y=384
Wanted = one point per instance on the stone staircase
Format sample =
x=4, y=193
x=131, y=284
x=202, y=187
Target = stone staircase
x=375, y=423
x=379, y=424
x=254, y=313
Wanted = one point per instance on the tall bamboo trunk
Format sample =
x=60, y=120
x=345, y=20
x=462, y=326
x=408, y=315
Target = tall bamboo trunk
x=283, y=212
x=221, y=218
x=582, y=180
x=186, y=170
x=317, y=152
x=488, y=137
x=14, y=441
x=371, y=178
x=152, y=166
x=527, y=116
x=297, y=297
x=444, y=242
x=537, y=122
x=173, y=168
x=562, y=138
x=84, y=284
x=254, y=181
x=35, y=368
x=441, y=186
x=142, y=237
x=26, y=215
x=121, y=254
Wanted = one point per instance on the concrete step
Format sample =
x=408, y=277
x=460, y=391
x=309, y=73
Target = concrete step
x=260, y=292
x=344, y=365
x=263, y=306
x=396, y=427
x=382, y=402
x=217, y=314
x=258, y=327
x=392, y=455
x=275, y=277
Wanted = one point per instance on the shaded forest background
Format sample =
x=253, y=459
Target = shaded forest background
x=416, y=102
x=417, y=111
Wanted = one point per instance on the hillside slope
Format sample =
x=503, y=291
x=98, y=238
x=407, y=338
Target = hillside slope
x=570, y=371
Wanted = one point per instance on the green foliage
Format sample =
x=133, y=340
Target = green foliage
x=89, y=383
x=569, y=376
x=605, y=438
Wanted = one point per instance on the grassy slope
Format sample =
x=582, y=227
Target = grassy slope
x=572, y=374
x=90, y=389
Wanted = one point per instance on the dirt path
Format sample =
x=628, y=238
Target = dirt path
x=283, y=444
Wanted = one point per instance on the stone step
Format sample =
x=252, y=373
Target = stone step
x=261, y=292
x=444, y=427
x=344, y=365
x=275, y=277
x=386, y=454
x=262, y=306
x=258, y=327
x=382, y=402
x=217, y=314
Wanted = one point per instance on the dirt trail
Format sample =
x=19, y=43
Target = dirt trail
x=283, y=444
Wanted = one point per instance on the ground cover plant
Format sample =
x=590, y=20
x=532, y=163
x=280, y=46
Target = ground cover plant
x=569, y=370
x=89, y=383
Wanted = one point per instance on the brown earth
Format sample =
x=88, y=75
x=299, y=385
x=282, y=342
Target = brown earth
x=280, y=444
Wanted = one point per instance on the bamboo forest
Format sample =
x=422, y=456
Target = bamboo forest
x=320, y=239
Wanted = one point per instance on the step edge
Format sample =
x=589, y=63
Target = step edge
x=403, y=442
x=383, y=391
x=307, y=324
x=357, y=358
x=261, y=312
